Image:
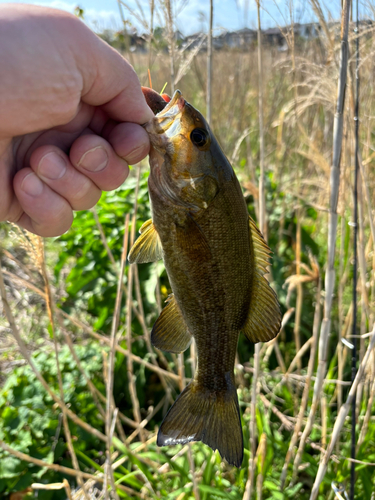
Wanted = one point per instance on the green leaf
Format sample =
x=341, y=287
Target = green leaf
x=10, y=466
x=204, y=488
x=50, y=331
x=291, y=492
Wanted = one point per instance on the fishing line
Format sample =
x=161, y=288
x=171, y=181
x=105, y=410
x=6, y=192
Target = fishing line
x=354, y=327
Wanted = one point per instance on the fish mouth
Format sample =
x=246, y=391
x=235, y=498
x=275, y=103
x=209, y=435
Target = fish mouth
x=177, y=100
x=169, y=115
x=166, y=124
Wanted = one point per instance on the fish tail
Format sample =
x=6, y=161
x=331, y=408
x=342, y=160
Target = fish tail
x=212, y=417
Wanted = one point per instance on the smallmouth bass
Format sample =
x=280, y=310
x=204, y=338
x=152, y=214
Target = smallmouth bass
x=215, y=258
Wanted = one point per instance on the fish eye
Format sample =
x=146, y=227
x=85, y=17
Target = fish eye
x=199, y=137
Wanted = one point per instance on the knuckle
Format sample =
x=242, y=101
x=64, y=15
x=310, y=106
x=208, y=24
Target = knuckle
x=14, y=216
x=58, y=222
x=84, y=196
x=118, y=177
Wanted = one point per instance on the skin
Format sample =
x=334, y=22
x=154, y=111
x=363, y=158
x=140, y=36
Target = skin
x=71, y=110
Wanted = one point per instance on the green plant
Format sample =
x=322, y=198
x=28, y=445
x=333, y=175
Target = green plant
x=31, y=423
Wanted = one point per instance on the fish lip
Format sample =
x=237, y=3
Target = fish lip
x=176, y=99
x=163, y=120
x=166, y=117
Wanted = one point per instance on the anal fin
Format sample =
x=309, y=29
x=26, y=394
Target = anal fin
x=170, y=332
x=264, y=319
x=147, y=247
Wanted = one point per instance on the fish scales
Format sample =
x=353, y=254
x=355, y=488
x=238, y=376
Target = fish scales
x=214, y=257
x=214, y=313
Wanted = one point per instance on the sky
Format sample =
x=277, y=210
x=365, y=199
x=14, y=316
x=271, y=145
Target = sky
x=192, y=15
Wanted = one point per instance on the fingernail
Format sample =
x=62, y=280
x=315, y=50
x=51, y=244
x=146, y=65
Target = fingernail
x=32, y=185
x=94, y=160
x=133, y=156
x=52, y=166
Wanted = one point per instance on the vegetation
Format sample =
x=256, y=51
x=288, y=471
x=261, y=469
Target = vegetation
x=76, y=308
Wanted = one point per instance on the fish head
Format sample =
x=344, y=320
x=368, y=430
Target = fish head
x=182, y=155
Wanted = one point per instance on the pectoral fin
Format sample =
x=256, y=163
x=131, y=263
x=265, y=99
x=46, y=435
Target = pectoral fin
x=170, y=332
x=147, y=248
x=192, y=241
x=264, y=319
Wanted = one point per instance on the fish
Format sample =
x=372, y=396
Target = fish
x=216, y=260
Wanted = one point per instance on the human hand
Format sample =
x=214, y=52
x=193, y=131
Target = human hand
x=70, y=114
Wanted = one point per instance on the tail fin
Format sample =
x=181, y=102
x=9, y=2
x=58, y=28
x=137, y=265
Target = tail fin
x=210, y=417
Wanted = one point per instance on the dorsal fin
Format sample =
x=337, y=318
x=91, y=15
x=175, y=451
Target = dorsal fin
x=264, y=318
x=147, y=247
x=170, y=332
